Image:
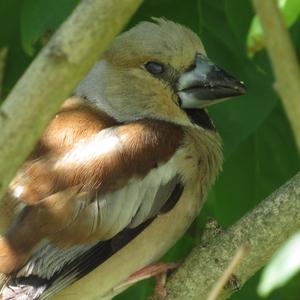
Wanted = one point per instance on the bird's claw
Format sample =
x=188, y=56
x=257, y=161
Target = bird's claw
x=158, y=270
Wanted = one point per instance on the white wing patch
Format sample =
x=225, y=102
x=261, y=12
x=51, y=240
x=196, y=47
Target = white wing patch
x=17, y=193
x=84, y=151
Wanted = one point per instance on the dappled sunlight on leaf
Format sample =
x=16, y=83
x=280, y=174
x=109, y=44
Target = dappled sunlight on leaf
x=255, y=40
x=282, y=267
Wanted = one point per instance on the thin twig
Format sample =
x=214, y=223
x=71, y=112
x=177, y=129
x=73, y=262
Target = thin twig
x=284, y=61
x=223, y=280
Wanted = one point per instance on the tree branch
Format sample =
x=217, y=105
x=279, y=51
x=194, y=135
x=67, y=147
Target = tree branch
x=52, y=76
x=263, y=230
x=284, y=61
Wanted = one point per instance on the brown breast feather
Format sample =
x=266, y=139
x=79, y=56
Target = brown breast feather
x=50, y=178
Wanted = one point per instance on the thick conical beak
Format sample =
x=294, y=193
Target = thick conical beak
x=206, y=84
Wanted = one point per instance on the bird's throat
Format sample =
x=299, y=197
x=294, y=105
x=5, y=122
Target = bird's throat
x=200, y=117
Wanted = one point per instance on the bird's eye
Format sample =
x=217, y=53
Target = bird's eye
x=154, y=67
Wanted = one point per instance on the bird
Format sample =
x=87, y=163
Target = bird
x=131, y=139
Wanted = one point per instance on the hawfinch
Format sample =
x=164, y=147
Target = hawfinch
x=119, y=154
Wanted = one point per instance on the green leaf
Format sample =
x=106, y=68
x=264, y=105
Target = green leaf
x=239, y=15
x=175, y=10
x=142, y=290
x=40, y=18
x=255, y=42
x=236, y=119
x=17, y=60
x=283, y=266
x=290, y=10
x=263, y=162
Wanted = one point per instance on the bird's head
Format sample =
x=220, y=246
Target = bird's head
x=158, y=70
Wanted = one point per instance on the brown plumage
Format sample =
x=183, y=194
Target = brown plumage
x=119, y=152
x=56, y=175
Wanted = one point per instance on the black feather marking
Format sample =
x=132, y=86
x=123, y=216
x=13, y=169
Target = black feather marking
x=173, y=199
x=94, y=257
x=200, y=117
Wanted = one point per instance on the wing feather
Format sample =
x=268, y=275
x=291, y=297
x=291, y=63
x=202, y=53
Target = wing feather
x=115, y=217
x=119, y=175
